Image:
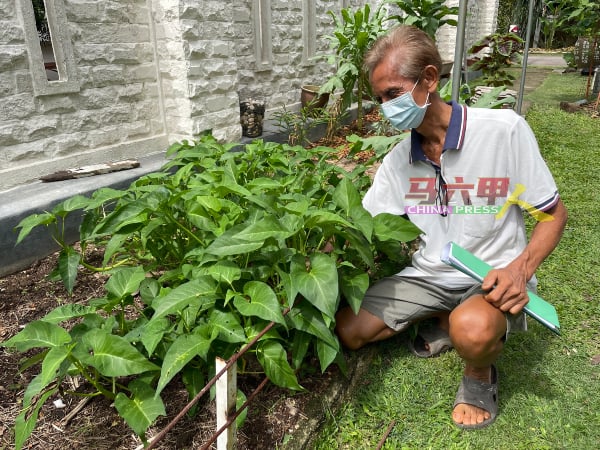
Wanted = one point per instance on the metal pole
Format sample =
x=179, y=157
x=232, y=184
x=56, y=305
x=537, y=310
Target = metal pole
x=459, y=48
x=525, y=56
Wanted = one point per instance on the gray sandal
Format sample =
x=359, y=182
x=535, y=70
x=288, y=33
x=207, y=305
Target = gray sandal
x=479, y=394
x=437, y=340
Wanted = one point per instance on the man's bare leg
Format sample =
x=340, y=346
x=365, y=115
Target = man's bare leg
x=357, y=330
x=476, y=331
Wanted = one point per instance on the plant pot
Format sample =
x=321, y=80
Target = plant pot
x=310, y=98
x=252, y=114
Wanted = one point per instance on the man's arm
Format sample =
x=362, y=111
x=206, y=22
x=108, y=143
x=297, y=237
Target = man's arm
x=509, y=291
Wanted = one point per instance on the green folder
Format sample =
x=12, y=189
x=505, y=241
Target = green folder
x=463, y=260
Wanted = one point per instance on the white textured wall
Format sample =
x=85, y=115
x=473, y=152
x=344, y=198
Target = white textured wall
x=481, y=20
x=150, y=72
x=115, y=113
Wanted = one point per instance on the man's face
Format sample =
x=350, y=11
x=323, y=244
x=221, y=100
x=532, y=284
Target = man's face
x=387, y=84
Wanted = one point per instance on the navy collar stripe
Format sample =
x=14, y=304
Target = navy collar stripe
x=455, y=135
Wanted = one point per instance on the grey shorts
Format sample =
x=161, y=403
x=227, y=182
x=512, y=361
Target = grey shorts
x=401, y=301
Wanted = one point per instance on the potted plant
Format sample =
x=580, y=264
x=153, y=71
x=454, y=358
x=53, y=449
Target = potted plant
x=311, y=98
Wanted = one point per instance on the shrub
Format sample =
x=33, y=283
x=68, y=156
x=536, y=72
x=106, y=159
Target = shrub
x=202, y=256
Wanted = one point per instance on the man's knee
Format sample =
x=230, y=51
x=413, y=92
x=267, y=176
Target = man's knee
x=357, y=330
x=476, y=328
x=347, y=329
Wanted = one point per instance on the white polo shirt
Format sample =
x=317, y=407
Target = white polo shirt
x=489, y=156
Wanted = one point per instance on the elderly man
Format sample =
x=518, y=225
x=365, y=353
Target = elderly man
x=453, y=178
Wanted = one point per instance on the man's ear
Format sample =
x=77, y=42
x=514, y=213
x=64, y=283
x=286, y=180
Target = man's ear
x=431, y=77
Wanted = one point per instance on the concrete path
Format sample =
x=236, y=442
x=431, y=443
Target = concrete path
x=555, y=60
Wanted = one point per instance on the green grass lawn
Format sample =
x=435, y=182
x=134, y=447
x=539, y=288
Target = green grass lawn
x=549, y=385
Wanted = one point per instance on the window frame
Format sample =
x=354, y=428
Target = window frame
x=68, y=81
x=263, y=39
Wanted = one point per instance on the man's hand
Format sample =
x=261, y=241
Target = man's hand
x=507, y=289
x=508, y=286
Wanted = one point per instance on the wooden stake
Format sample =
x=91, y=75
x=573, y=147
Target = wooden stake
x=226, y=399
x=386, y=434
x=88, y=171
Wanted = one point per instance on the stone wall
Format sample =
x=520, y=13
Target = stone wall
x=136, y=75
x=106, y=108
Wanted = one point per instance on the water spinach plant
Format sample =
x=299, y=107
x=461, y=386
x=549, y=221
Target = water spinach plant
x=201, y=256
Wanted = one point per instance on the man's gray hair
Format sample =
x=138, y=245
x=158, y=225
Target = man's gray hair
x=415, y=48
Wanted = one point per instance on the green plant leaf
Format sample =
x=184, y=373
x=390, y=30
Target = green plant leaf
x=317, y=280
x=30, y=222
x=71, y=204
x=346, y=196
x=490, y=99
x=273, y=359
x=300, y=346
x=182, y=351
x=228, y=244
x=114, y=245
x=38, y=333
x=240, y=399
x=153, y=333
x=51, y=364
x=149, y=290
x=319, y=217
x=198, y=291
x=104, y=195
x=149, y=333
x=26, y=420
x=32, y=360
x=262, y=302
x=354, y=286
x=194, y=380
x=129, y=213
x=67, y=312
x=326, y=354
x=306, y=318
x=228, y=326
x=142, y=409
x=262, y=184
x=359, y=244
x=125, y=281
x=33, y=388
x=112, y=355
x=68, y=264
x=225, y=271
x=390, y=227
x=267, y=227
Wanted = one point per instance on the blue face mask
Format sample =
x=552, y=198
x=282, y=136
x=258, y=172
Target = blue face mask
x=403, y=113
